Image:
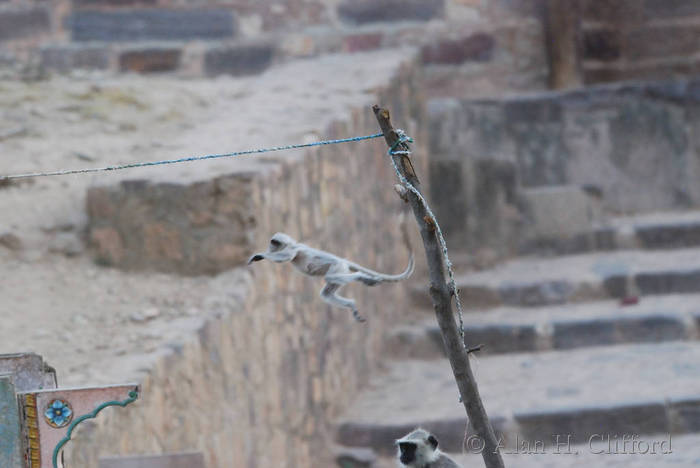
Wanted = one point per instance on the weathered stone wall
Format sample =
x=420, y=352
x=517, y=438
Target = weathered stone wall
x=633, y=145
x=488, y=48
x=263, y=378
x=471, y=47
x=24, y=26
x=639, y=39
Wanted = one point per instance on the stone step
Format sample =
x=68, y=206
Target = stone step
x=516, y=329
x=648, y=231
x=628, y=389
x=534, y=281
x=646, y=452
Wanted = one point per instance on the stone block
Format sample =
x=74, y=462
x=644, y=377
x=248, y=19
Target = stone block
x=23, y=21
x=174, y=460
x=554, y=145
x=649, y=329
x=379, y=438
x=479, y=296
x=560, y=211
x=355, y=457
x=613, y=11
x=686, y=412
x=362, y=42
x=448, y=193
x=605, y=239
x=168, y=226
x=602, y=44
x=670, y=8
x=502, y=338
x=569, y=335
x=11, y=241
x=475, y=48
x=28, y=371
x=557, y=245
x=64, y=58
x=374, y=11
x=582, y=423
x=238, y=60
x=616, y=285
x=493, y=204
x=151, y=24
x=668, y=282
x=664, y=237
x=108, y=244
x=150, y=60
x=662, y=41
x=113, y=3
x=415, y=343
x=537, y=294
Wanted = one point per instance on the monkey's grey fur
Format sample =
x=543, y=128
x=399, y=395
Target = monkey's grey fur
x=335, y=270
x=418, y=449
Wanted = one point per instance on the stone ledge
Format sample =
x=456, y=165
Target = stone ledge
x=513, y=330
x=629, y=389
x=582, y=423
x=151, y=24
x=374, y=11
x=150, y=60
x=22, y=22
x=239, y=60
x=200, y=228
x=538, y=282
x=543, y=136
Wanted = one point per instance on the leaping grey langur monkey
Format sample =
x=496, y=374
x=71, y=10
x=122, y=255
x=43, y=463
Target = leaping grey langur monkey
x=335, y=270
x=419, y=449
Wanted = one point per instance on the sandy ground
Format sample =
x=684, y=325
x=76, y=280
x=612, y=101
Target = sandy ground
x=98, y=325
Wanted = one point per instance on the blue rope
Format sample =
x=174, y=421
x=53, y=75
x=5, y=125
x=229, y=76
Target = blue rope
x=187, y=159
x=405, y=139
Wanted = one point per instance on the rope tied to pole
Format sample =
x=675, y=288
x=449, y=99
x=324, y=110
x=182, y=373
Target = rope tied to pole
x=117, y=167
x=405, y=139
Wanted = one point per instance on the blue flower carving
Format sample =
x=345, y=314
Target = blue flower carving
x=58, y=414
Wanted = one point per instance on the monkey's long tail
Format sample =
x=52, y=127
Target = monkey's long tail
x=405, y=274
x=383, y=277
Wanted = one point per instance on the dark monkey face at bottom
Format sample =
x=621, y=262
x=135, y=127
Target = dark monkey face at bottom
x=419, y=449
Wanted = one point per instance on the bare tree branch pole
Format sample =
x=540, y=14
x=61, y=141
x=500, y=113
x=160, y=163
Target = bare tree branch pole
x=441, y=295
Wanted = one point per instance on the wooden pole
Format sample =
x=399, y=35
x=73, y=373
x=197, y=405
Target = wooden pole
x=562, y=32
x=441, y=295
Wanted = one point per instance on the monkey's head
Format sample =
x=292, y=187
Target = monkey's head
x=417, y=449
x=282, y=248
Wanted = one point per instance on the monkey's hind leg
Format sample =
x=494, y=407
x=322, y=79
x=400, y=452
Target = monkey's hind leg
x=345, y=278
x=328, y=294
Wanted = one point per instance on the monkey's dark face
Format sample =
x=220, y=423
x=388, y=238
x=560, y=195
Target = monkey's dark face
x=280, y=249
x=407, y=453
x=417, y=452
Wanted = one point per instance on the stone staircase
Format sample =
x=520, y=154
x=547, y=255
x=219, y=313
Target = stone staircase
x=603, y=341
